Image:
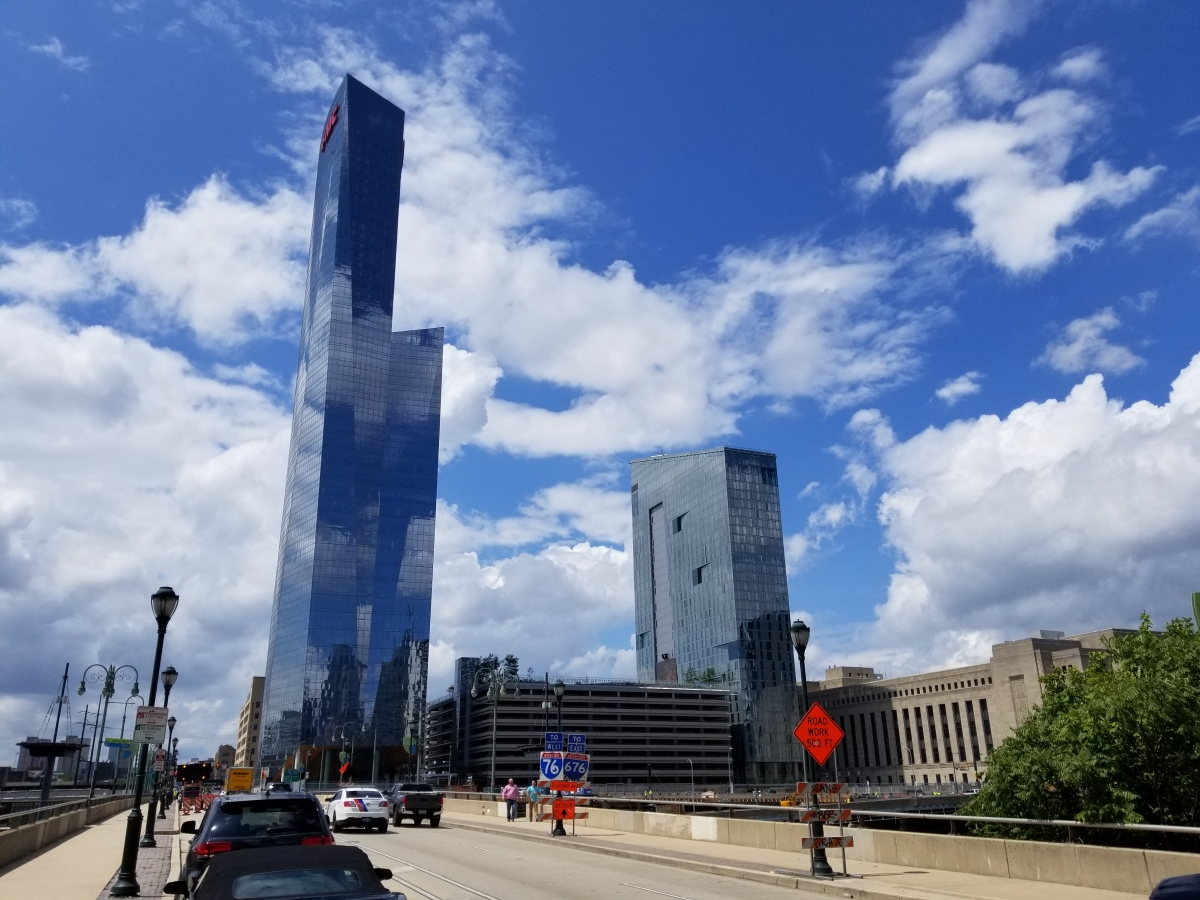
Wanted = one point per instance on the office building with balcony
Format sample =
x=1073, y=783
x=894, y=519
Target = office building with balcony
x=349, y=632
x=711, y=595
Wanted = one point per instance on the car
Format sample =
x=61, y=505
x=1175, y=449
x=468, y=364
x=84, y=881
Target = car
x=295, y=873
x=1180, y=887
x=251, y=821
x=277, y=787
x=364, y=807
x=416, y=801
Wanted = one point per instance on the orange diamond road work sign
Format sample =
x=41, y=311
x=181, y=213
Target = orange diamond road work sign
x=818, y=733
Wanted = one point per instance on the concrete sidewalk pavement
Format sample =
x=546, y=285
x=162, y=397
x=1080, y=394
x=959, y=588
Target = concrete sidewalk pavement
x=875, y=881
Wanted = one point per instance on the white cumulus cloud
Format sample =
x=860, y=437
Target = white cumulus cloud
x=957, y=388
x=1082, y=347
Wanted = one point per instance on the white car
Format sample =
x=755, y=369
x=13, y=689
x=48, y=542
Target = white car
x=365, y=807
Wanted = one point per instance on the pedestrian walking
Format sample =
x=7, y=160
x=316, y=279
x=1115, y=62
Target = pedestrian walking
x=511, y=793
x=531, y=799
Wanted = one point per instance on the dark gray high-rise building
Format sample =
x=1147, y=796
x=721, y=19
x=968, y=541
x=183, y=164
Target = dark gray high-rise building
x=349, y=641
x=711, y=597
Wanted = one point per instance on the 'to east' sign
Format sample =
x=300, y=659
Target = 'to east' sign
x=818, y=733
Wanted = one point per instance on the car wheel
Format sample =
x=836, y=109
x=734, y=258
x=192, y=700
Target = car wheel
x=396, y=820
x=435, y=821
x=383, y=827
x=336, y=825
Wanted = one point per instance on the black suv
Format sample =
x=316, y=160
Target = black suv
x=242, y=821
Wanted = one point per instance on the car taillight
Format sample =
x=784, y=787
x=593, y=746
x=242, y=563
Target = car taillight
x=404, y=800
x=349, y=803
x=441, y=801
x=314, y=841
x=209, y=848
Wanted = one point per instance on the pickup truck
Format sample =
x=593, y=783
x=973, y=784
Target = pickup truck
x=415, y=801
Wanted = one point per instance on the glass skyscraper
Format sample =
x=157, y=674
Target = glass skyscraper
x=711, y=596
x=348, y=655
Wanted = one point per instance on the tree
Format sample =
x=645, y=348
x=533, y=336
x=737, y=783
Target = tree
x=1119, y=742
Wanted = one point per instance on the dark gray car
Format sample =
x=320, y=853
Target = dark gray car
x=417, y=801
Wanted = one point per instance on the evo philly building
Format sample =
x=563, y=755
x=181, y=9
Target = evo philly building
x=347, y=661
x=711, y=596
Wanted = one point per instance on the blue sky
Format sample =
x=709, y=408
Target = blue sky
x=941, y=258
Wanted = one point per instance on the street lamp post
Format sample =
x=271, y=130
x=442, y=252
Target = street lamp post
x=109, y=675
x=800, y=636
x=168, y=679
x=492, y=683
x=163, y=603
x=167, y=769
x=559, y=690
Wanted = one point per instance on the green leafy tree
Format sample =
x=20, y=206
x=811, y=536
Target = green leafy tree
x=1119, y=742
x=710, y=676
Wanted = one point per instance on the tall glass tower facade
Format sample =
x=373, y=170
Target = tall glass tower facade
x=347, y=660
x=711, y=597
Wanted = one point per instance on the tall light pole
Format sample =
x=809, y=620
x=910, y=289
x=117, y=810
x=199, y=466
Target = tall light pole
x=169, y=676
x=162, y=806
x=163, y=603
x=559, y=690
x=110, y=675
x=491, y=682
x=800, y=636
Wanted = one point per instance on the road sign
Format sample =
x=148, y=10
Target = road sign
x=150, y=726
x=567, y=786
x=160, y=760
x=552, y=765
x=239, y=780
x=577, y=743
x=819, y=787
x=117, y=742
x=826, y=843
x=575, y=766
x=564, y=809
x=825, y=815
x=554, y=741
x=818, y=733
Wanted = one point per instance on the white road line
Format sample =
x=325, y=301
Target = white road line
x=652, y=891
x=430, y=872
x=473, y=847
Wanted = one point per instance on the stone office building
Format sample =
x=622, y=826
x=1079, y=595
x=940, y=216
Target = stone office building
x=636, y=733
x=940, y=727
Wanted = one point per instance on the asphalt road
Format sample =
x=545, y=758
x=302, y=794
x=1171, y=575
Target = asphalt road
x=455, y=864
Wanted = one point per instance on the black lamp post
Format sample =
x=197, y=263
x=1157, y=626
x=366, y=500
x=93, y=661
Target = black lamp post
x=168, y=770
x=800, y=636
x=559, y=690
x=169, y=676
x=163, y=603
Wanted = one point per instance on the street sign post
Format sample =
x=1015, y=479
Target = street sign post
x=554, y=741
x=564, y=809
x=150, y=725
x=160, y=760
x=552, y=765
x=818, y=733
x=827, y=843
x=576, y=743
x=575, y=766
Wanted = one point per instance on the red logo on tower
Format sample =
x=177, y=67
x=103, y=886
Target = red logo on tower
x=330, y=124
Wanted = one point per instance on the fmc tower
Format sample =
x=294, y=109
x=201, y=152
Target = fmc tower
x=347, y=661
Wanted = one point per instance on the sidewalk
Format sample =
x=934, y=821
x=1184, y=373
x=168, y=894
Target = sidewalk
x=877, y=881
x=83, y=866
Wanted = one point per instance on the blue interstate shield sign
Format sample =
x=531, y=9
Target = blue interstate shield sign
x=575, y=766
x=552, y=765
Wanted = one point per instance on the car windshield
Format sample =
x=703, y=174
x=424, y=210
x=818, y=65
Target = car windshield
x=416, y=788
x=258, y=818
x=297, y=883
x=370, y=795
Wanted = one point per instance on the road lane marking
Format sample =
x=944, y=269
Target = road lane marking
x=457, y=884
x=652, y=891
x=473, y=847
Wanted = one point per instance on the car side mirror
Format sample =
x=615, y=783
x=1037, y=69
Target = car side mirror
x=382, y=874
x=396, y=895
x=188, y=827
x=175, y=887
